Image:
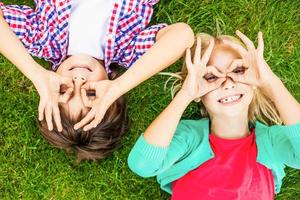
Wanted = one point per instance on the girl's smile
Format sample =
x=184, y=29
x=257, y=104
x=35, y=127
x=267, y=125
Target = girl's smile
x=231, y=100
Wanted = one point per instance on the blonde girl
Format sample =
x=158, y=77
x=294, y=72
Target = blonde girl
x=240, y=149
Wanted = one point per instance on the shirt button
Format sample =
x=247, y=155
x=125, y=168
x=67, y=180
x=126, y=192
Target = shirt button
x=110, y=36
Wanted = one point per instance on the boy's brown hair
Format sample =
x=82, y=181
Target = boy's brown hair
x=96, y=143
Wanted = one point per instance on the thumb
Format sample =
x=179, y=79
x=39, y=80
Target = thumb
x=66, y=96
x=90, y=85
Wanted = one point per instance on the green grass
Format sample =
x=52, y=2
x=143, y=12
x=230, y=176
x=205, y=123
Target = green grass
x=32, y=169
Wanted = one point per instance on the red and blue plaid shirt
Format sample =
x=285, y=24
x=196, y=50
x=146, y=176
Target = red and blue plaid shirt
x=44, y=30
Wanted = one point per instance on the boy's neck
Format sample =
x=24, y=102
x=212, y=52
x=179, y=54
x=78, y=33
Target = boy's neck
x=230, y=127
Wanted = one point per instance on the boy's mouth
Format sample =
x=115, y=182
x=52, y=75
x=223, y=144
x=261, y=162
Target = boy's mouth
x=231, y=99
x=80, y=67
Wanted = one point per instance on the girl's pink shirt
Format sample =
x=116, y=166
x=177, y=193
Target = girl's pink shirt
x=232, y=174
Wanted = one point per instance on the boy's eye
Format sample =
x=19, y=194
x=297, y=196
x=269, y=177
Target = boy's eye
x=63, y=89
x=91, y=93
x=210, y=77
x=239, y=70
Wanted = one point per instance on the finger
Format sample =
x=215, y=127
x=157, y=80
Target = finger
x=188, y=59
x=93, y=124
x=215, y=85
x=85, y=99
x=249, y=44
x=67, y=81
x=241, y=50
x=64, y=98
x=90, y=85
x=233, y=76
x=41, y=110
x=57, y=119
x=48, y=115
x=241, y=78
x=260, y=46
x=219, y=82
x=98, y=117
x=207, y=53
x=213, y=70
x=89, y=117
x=197, y=55
x=235, y=63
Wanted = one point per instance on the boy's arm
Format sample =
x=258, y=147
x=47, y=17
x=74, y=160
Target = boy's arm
x=12, y=48
x=171, y=42
x=46, y=82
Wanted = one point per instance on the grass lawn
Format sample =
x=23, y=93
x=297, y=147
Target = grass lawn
x=32, y=169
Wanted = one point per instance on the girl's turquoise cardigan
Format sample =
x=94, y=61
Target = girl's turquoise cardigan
x=277, y=146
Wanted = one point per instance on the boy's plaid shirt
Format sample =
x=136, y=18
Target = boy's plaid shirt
x=44, y=30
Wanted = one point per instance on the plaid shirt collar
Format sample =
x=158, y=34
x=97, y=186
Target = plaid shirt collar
x=44, y=30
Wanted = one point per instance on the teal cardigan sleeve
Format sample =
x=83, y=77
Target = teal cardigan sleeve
x=285, y=141
x=148, y=160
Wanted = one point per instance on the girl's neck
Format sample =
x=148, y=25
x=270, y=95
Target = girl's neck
x=230, y=127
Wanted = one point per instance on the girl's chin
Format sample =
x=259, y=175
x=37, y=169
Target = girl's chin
x=232, y=112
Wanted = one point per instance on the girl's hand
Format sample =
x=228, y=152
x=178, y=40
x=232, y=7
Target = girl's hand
x=106, y=94
x=48, y=85
x=253, y=68
x=201, y=79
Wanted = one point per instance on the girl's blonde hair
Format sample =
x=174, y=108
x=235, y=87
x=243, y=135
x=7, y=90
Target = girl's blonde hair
x=261, y=108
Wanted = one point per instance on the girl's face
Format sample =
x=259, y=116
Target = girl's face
x=231, y=99
x=82, y=69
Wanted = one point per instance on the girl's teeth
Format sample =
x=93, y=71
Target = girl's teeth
x=230, y=99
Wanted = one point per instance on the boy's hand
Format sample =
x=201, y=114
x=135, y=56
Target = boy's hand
x=48, y=85
x=256, y=70
x=106, y=94
x=201, y=79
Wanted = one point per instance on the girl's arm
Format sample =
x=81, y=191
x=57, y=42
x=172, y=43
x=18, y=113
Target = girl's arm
x=148, y=155
x=46, y=82
x=259, y=73
x=194, y=87
x=287, y=106
x=162, y=129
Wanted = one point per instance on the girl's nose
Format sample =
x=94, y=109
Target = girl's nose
x=228, y=84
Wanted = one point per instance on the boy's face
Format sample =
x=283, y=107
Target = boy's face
x=82, y=69
x=231, y=99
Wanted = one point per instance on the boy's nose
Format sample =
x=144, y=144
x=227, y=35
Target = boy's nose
x=79, y=80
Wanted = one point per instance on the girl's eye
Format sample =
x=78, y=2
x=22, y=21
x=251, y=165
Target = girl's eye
x=239, y=70
x=210, y=77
